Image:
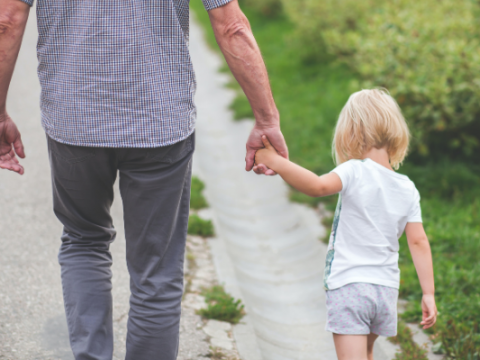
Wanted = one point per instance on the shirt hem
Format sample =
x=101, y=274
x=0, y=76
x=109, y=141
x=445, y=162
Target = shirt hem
x=144, y=145
x=339, y=284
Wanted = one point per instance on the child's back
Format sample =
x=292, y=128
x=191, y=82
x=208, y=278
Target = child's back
x=374, y=207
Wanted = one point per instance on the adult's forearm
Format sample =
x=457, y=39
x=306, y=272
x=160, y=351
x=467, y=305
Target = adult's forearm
x=13, y=18
x=235, y=38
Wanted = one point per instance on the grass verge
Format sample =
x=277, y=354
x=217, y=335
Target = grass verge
x=200, y=227
x=197, y=200
x=410, y=349
x=221, y=306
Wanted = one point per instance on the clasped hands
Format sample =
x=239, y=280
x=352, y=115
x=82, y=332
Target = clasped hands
x=263, y=144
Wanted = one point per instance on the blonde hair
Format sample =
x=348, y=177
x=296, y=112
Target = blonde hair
x=371, y=119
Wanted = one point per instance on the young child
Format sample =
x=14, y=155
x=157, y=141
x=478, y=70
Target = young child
x=376, y=205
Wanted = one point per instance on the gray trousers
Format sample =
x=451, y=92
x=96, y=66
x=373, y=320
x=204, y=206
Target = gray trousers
x=155, y=189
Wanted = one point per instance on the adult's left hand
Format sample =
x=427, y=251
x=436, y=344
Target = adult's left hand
x=255, y=143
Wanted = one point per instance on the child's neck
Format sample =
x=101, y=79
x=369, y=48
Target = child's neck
x=380, y=156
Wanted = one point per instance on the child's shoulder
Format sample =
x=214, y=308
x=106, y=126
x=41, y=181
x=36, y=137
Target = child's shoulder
x=369, y=172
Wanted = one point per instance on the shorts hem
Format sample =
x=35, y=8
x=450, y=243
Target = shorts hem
x=383, y=334
x=345, y=333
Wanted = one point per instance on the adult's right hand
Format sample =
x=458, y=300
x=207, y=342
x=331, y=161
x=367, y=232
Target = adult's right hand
x=255, y=143
x=10, y=145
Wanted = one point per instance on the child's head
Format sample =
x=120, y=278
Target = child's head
x=371, y=119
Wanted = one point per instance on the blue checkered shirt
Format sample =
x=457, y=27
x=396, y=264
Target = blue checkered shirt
x=116, y=73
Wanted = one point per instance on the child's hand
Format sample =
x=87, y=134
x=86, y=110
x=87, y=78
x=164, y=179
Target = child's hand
x=266, y=156
x=429, y=310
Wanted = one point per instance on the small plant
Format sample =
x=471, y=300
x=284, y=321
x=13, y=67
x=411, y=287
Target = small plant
x=217, y=354
x=221, y=306
x=197, y=200
x=200, y=227
x=461, y=342
x=410, y=349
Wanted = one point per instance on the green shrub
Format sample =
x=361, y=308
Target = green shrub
x=425, y=52
x=197, y=200
x=221, y=306
x=198, y=226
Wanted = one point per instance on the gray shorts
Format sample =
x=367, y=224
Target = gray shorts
x=361, y=309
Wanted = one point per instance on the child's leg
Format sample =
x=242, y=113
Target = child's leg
x=370, y=341
x=351, y=347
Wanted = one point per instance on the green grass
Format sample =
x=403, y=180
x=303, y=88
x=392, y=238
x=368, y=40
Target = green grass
x=309, y=97
x=221, y=306
x=200, y=227
x=197, y=200
x=410, y=350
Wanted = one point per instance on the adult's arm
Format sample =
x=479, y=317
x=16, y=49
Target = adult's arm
x=13, y=18
x=235, y=38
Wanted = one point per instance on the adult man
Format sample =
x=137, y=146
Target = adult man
x=117, y=97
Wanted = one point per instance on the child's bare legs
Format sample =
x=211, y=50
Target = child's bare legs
x=370, y=341
x=354, y=347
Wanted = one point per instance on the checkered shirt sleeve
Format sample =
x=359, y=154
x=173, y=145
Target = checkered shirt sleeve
x=212, y=4
x=28, y=2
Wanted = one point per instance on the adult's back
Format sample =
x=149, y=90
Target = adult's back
x=120, y=71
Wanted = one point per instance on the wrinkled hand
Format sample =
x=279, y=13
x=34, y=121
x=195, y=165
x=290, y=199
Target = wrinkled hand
x=10, y=145
x=255, y=143
x=429, y=311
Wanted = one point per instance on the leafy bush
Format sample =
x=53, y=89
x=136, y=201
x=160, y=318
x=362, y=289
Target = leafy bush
x=197, y=200
x=221, y=306
x=198, y=226
x=425, y=52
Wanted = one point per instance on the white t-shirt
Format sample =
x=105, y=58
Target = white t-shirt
x=373, y=208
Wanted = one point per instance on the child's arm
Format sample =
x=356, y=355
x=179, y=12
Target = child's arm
x=422, y=258
x=297, y=176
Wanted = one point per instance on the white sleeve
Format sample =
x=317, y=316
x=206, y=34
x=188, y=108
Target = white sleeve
x=346, y=172
x=415, y=214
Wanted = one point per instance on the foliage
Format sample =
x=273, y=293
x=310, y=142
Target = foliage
x=197, y=200
x=221, y=305
x=424, y=52
x=410, y=349
x=198, y=226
